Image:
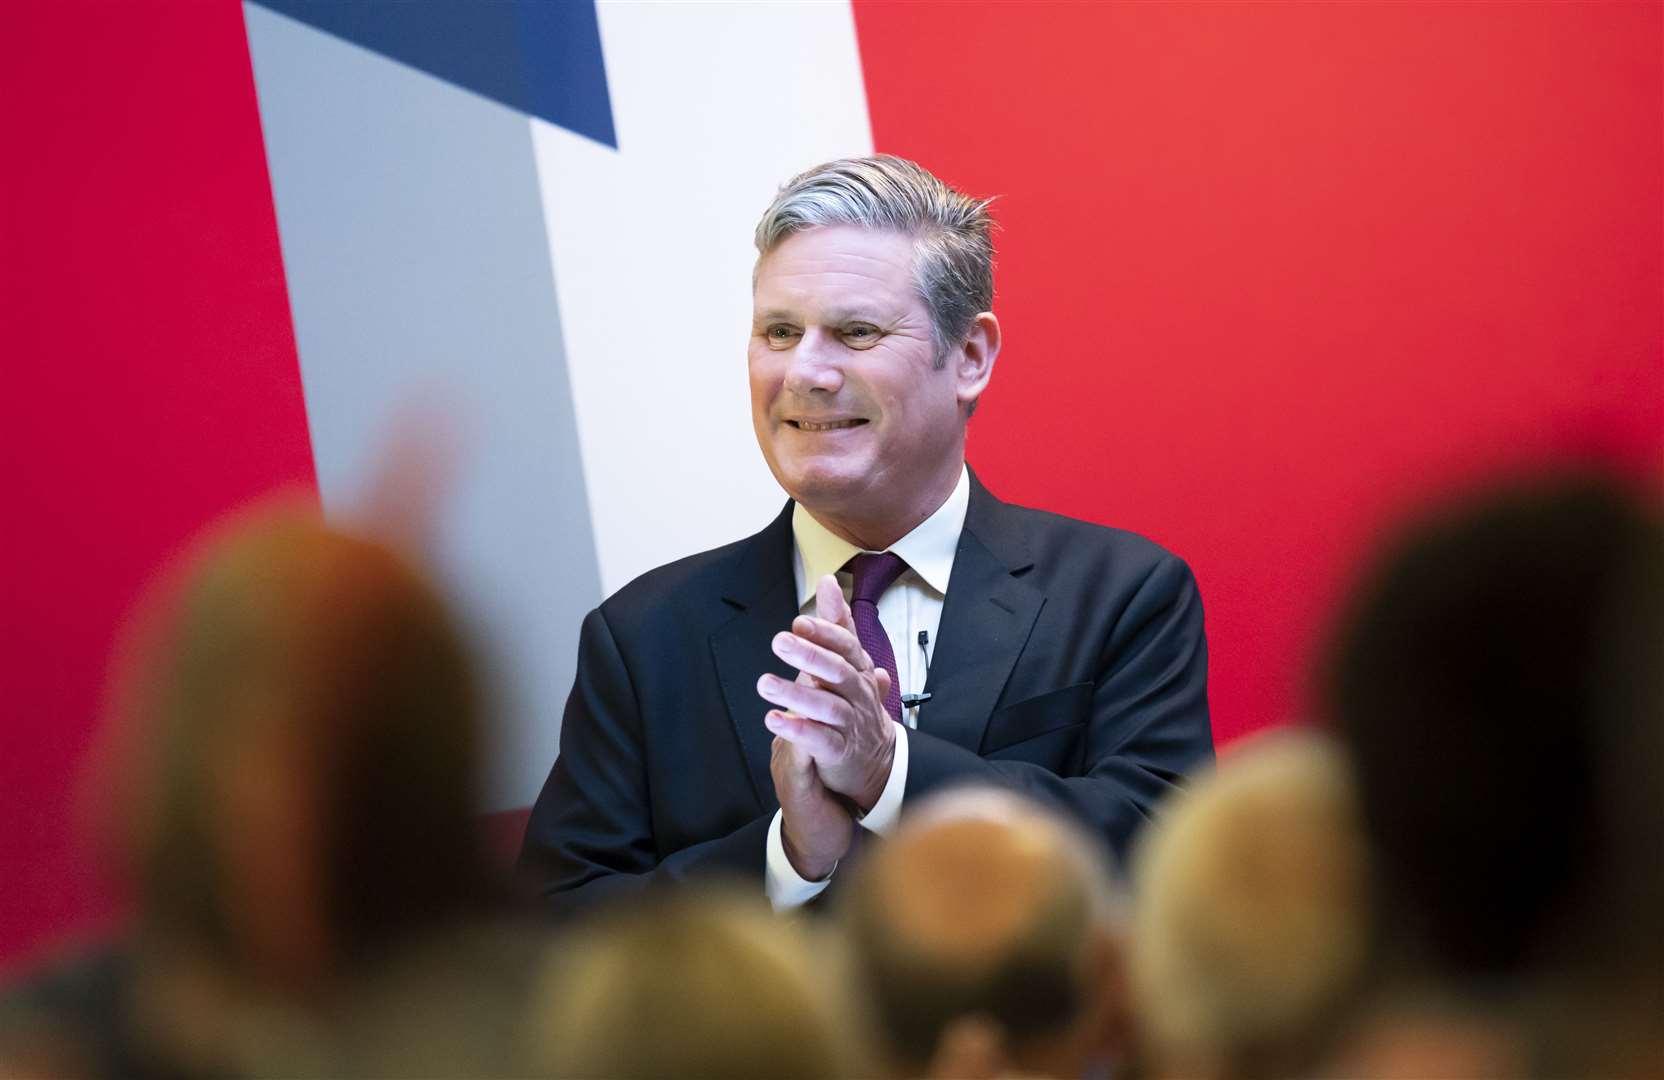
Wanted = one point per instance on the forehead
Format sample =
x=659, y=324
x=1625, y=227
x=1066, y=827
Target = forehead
x=837, y=266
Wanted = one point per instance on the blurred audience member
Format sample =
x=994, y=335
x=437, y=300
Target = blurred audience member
x=690, y=985
x=985, y=941
x=1607, y=1019
x=1250, y=922
x=1497, y=684
x=296, y=799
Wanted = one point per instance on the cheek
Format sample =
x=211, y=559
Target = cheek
x=763, y=373
x=902, y=398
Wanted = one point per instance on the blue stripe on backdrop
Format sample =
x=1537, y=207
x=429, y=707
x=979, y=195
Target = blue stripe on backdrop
x=419, y=274
x=540, y=58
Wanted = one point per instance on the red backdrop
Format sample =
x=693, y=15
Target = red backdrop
x=151, y=378
x=1270, y=274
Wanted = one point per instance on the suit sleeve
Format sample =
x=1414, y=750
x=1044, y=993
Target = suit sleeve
x=1147, y=724
x=590, y=836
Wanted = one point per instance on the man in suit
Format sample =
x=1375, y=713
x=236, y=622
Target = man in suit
x=910, y=630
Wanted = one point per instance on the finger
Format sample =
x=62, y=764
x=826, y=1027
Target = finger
x=811, y=739
x=807, y=701
x=839, y=639
x=881, y=678
x=817, y=665
x=830, y=603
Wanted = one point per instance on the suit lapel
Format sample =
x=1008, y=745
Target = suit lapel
x=986, y=620
x=987, y=616
x=761, y=589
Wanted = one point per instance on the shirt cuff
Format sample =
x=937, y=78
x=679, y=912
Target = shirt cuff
x=785, y=886
x=881, y=819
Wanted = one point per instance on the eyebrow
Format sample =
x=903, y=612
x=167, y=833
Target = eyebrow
x=843, y=315
x=836, y=315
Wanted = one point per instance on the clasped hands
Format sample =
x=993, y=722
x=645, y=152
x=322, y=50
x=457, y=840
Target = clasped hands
x=834, y=742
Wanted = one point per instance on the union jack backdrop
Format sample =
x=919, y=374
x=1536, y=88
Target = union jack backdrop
x=1270, y=276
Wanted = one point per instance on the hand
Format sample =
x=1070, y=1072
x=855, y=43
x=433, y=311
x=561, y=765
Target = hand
x=835, y=710
x=815, y=827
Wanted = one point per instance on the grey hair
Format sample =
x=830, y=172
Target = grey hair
x=953, y=246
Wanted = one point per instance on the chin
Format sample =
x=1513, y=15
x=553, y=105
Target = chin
x=822, y=487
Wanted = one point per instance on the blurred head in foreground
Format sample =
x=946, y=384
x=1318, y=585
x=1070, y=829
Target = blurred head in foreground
x=302, y=757
x=689, y=985
x=1499, y=686
x=985, y=941
x=1251, y=921
x=1478, y=680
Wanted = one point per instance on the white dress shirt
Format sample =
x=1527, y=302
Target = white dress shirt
x=912, y=603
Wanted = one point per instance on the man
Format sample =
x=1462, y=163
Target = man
x=986, y=940
x=1064, y=659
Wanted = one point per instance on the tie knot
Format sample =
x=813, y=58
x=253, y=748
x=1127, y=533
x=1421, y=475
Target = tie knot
x=873, y=574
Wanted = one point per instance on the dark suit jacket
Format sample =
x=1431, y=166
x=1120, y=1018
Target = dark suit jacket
x=1070, y=663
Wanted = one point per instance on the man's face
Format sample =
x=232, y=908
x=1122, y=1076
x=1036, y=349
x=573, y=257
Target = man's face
x=851, y=411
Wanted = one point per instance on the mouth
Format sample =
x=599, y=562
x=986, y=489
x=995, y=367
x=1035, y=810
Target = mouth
x=825, y=425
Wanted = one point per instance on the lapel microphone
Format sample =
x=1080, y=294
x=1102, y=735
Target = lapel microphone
x=913, y=701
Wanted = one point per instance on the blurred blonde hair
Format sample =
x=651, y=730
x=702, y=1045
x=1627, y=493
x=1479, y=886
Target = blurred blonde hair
x=691, y=985
x=1250, y=920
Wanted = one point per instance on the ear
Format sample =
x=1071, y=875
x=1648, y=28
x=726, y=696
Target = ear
x=973, y=360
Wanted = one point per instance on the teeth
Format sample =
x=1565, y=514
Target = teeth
x=804, y=425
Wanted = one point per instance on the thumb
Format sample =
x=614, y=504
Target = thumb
x=791, y=759
x=882, y=678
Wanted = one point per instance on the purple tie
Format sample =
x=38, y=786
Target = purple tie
x=873, y=574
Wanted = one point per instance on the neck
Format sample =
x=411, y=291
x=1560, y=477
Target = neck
x=866, y=535
x=872, y=532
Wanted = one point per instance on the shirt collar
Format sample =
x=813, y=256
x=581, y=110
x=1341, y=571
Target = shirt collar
x=928, y=549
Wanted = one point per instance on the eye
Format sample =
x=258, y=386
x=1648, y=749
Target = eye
x=781, y=335
x=861, y=335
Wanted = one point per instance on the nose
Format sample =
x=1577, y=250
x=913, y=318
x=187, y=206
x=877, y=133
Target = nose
x=816, y=364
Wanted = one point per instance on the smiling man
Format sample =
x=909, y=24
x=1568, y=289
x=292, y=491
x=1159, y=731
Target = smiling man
x=755, y=710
